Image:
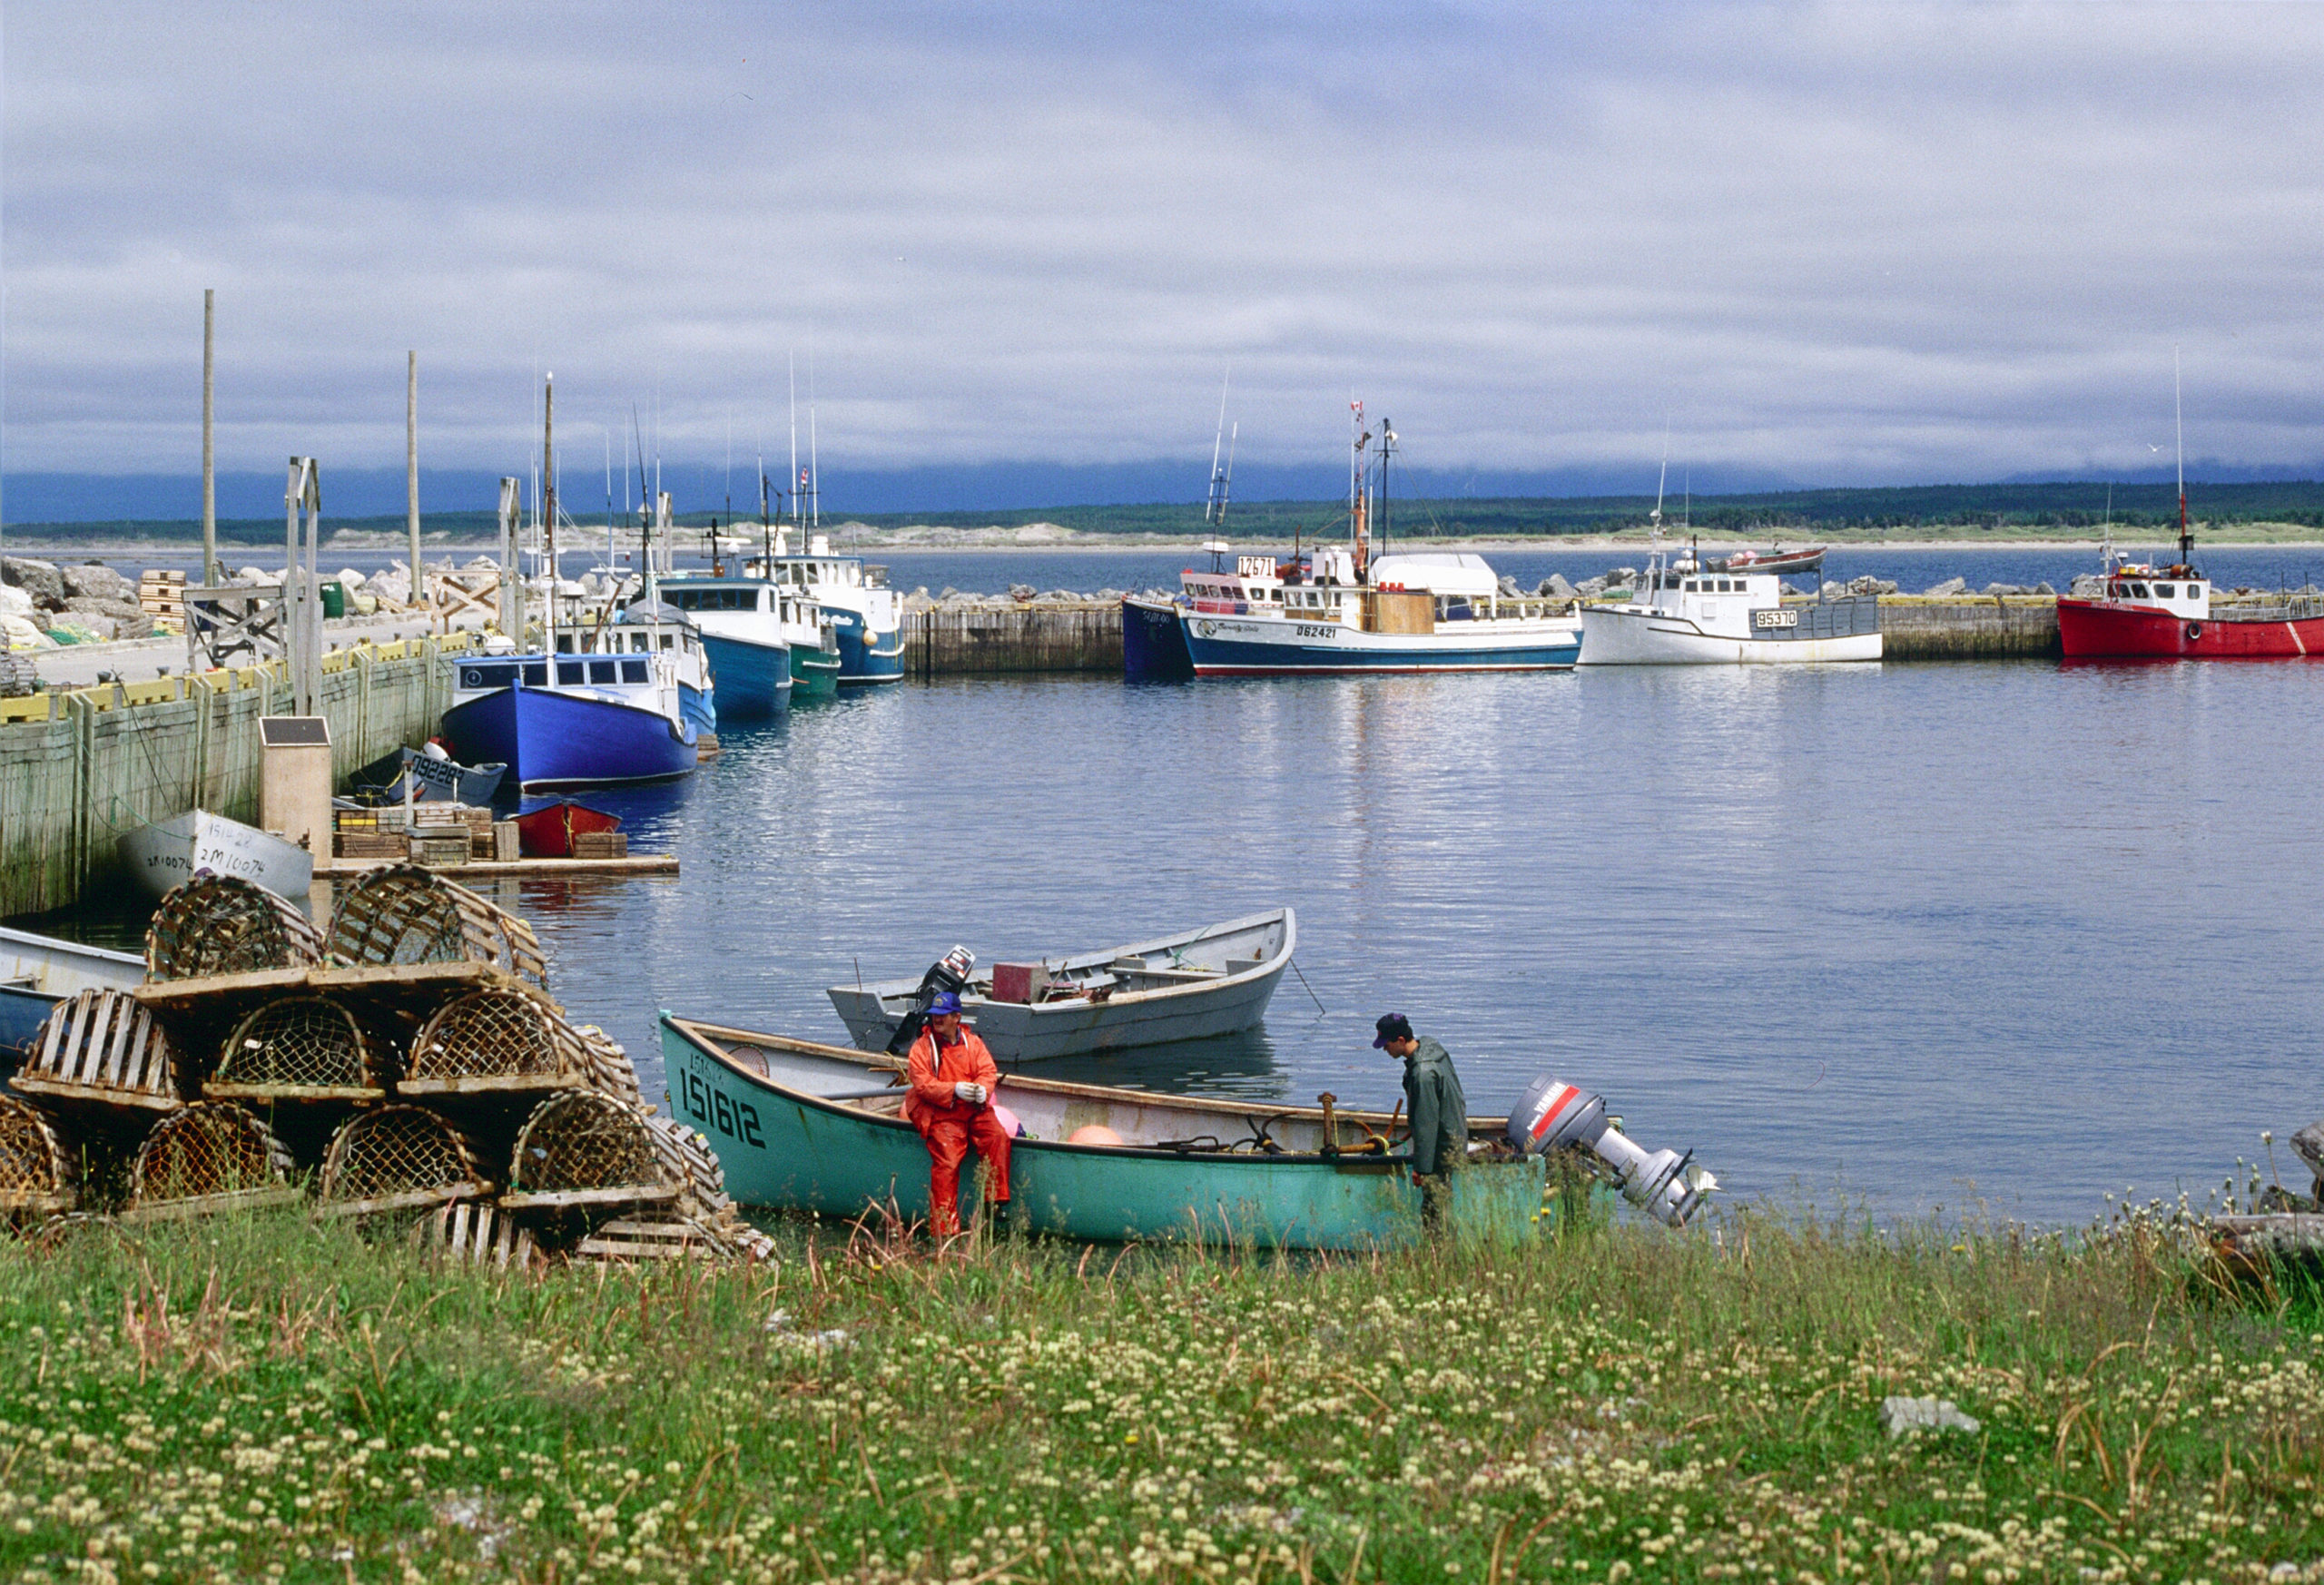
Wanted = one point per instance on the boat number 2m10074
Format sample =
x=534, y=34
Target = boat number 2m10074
x=708, y=1105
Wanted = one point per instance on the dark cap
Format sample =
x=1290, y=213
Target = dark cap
x=1391, y=1026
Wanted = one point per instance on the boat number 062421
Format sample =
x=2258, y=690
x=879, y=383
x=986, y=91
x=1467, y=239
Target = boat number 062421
x=736, y=1119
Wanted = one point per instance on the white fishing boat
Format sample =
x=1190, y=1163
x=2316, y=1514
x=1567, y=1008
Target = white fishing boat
x=170, y=852
x=1215, y=981
x=39, y=971
x=1684, y=613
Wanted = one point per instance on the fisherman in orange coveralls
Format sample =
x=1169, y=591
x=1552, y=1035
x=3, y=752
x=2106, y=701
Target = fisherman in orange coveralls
x=950, y=1103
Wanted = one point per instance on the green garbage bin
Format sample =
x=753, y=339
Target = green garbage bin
x=334, y=598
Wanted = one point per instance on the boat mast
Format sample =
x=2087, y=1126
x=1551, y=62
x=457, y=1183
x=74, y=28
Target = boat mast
x=548, y=496
x=1388, y=446
x=797, y=478
x=1358, y=488
x=2179, y=422
x=1214, y=510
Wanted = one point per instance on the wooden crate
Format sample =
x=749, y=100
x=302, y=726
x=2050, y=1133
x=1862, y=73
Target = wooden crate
x=437, y=846
x=507, y=844
x=600, y=844
x=371, y=844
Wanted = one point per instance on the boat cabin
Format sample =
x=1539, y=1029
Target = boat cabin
x=2181, y=591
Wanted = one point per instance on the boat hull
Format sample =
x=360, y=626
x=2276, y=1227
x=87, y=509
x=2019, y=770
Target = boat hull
x=1242, y=647
x=814, y=672
x=2098, y=630
x=781, y=1147
x=170, y=852
x=698, y=710
x=1154, y=644
x=432, y=781
x=1155, y=1012
x=1613, y=636
x=552, y=737
x=754, y=680
x=865, y=654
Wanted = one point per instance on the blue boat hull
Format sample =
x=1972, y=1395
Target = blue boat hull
x=865, y=656
x=700, y=711
x=1154, y=645
x=754, y=680
x=549, y=737
x=1214, y=651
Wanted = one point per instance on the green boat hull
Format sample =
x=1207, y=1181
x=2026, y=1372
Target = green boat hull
x=814, y=674
x=784, y=1149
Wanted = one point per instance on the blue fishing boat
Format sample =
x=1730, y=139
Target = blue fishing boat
x=800, y=1125
x=1154, y=642
x=623, y=701
x=39, y=971
x=742, y=633
x=865, y=615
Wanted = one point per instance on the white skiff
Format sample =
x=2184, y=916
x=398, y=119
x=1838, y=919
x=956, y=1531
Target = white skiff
x=171, y=852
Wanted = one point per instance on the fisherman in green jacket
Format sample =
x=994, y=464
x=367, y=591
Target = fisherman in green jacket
x=1439, y=1111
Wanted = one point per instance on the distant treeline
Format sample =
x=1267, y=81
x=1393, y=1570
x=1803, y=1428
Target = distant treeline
x=1921, y=511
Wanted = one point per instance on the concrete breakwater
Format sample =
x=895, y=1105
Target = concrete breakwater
x=80, y=769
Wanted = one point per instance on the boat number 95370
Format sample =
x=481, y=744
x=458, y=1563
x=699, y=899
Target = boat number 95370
x=713, y=1109
x=1775, y=618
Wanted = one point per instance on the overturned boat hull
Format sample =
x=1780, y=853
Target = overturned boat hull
x=170, y=852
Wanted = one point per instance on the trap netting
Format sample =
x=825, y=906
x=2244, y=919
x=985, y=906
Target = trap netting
x=610, y=1068
x=210, y=1156
x=299, y=1047
x=388, y=1157
x=35, y=1174
x=581, y=1148
x=405, y=913
x=224, y=924
x=495, y=1040
x=102, y=1045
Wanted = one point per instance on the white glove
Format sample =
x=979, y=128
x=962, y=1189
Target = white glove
x=973, y=1094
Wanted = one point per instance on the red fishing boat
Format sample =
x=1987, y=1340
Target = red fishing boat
x=547, y=833
x=1774, y=559
x=2146, y=612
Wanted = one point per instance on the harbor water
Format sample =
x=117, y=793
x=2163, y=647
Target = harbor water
x=1918, y=937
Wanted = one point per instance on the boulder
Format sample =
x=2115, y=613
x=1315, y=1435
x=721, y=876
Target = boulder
x=1509, y=587
x=1589, y=589
x=347, y=578
x=1555, y=587
x=80, y=628
x=14, y=602
x=1021, y=591
x=126, y=617
x=251, y=577
x=2087, y=587
x=1868, y=586
x=39, y=580
x=1949, y=586
x=1992, y=590
x=2043, y=588
x=1783, y=588
x=96, y=581
x=23, y=633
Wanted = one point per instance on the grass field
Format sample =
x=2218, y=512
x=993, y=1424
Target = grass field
x=264, y=1399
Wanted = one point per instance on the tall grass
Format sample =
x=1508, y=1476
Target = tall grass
x=262, y=1398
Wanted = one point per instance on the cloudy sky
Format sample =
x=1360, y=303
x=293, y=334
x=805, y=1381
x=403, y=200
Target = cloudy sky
x=1839, y=245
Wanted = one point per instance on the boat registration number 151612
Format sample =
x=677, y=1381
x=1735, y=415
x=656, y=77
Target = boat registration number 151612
x=1775, y=618
x=712, y=1106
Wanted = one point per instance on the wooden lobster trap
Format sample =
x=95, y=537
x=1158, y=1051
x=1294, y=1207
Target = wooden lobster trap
x=298, y=1048
x=224, y=924
x=102, y=1048
x=405, y=914
x=582, y=1149
x=666, y=1234
x=479, y=1233
x=207, y=1158
x=36, y=1174
x=496, y=1041
x=396, y=1158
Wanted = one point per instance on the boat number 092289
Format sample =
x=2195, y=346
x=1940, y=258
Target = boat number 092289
x=736, y=1119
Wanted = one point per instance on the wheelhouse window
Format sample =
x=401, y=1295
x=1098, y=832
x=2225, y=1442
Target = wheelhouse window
x=2138, y=592
x=634, y=671
x=602, y=671
x=569, y=671
x=537, y=675
x=2165, y=590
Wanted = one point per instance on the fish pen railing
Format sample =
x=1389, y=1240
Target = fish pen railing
x=2268, y=607
x=1845, y=616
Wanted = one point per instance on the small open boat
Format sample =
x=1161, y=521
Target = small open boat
x=800, y=1126
x=39, y=971
x=170, y=852
x=547, y=833
x=433, y=781
x=1774, y=559
x=1191, y=986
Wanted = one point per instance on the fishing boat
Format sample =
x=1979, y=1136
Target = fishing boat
x=39, y=971
x=865, y=615
x=1154, y=642
x=170, y=852
x=1215, y=981
x=607, y=710
x=1774, y=559
x=432, y=780
x=547, y=833
x=2143, y=612
x=742, y=635
x=1339, y=610
x=1684, y=613
x=800, y=1125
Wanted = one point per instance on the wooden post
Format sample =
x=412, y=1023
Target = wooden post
x=209, y=455
x=411, y=470
x=512, y=588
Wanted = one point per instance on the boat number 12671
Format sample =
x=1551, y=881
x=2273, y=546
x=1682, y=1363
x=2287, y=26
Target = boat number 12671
x=736, y=1119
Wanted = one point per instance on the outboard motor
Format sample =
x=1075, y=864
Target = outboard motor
x=951, y=973
x=1554, y=1115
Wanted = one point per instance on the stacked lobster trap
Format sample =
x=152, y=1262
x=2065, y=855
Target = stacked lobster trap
x=404, y=1067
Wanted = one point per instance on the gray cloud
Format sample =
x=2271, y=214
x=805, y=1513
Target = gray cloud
x=1848, y=244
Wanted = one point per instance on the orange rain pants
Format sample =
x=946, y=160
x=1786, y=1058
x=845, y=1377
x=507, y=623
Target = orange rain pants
x=948, y=1142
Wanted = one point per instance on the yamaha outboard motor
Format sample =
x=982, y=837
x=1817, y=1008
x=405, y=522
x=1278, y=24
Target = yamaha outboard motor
x=951, y=973
x=1555, y=1115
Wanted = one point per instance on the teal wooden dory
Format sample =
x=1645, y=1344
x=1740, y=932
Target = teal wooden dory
x=801, y=1125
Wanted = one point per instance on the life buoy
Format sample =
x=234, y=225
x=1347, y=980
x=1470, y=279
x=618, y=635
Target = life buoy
x=2194, y=631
